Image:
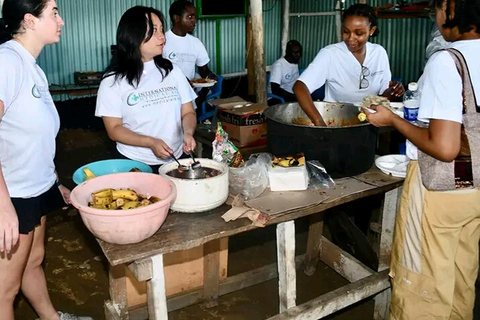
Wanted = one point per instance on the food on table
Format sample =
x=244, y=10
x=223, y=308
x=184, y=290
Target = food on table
x=88, y=173
x=203, y=80
x=120, y=199
x=289, y=161
x=372, y=100
x=301, y=121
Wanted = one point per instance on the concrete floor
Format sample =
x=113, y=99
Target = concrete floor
x=76, y=269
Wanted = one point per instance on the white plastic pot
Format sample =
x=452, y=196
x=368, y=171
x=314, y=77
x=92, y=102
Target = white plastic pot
x=196, y=195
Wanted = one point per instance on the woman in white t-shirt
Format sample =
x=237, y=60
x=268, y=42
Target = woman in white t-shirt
x=351, y=69
x=29, y=123
x=435, y=249
x=144, y=100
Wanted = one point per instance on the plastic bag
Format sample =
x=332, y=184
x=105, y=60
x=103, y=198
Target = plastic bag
x=319, y=178
x=223, y=150
x=251, y=179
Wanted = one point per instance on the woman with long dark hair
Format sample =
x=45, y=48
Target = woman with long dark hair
x=435, y=250
x=351, y=69
x=29, y=123
x=144, y=100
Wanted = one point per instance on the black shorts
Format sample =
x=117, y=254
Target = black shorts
x=31, y=210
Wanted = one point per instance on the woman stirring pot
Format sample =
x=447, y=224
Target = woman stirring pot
x=351, y=69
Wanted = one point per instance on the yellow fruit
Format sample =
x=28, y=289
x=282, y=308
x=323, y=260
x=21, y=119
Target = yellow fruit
x=102, y=200
x=88, y=173
x=125, y=194
x=131, y=205
x=102, y=193
x=362, y=116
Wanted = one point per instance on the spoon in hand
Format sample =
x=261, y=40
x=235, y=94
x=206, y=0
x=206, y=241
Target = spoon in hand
x=180, y=166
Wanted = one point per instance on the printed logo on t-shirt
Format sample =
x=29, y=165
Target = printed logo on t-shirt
x=36, y=92
x=182, y=57
x=156, y=96
x=133, y=99
x=377, y=72
x=288, y=76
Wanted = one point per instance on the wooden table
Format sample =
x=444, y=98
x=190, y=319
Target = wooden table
x=185, y=231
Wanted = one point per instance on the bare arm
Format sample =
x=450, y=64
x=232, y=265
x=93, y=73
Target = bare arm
x=440, y=140
x=206, y=72
x=306, y=103
x=189, y=124
x=9, y=232
x=117, y=132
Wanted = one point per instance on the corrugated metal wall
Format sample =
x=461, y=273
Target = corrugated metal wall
x=91, y=25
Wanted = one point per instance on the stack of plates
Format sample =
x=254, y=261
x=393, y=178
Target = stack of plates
x=394, y=164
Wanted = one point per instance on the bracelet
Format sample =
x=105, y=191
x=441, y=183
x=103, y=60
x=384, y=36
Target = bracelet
x=59, y=183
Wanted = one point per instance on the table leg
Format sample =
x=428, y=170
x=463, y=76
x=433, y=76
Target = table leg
x=211, y=271
x=388, y=212
x=118, y=293
x=315, y=232
x=286, y=264
x=157, y=298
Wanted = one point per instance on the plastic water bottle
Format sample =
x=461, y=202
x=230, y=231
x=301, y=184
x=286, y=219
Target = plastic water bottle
x=411, y=102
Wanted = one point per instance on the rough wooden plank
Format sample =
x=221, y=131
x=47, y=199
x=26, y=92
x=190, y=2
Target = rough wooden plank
x=342, y=262
x=287, y=277
x=285, y=24
x=381, y=310
x=315, y=232
x=118, y=290
x=157, y=298
x=388, y=212
x=110, y=312
x=141, y=269
x=180, y=231
x=337, y=299
x=258, y=51
x=211, y=271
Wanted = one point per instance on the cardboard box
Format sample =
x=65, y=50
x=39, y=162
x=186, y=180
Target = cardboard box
x=246, y=136
x=183, y=272
x=228, y=102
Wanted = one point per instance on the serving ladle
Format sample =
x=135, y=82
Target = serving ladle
x=195, y=164
x=180, y=166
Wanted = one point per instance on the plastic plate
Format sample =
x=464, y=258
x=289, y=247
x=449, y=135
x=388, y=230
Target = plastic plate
x=394, y=164
x=103, y=167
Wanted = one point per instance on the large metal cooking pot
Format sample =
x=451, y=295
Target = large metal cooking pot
x=346, y=147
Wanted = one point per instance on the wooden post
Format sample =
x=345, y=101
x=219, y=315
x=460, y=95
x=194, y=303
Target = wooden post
x=338, y=19
x=211, y=271
x=314, y=242
x=250, y=66
x=388, y=212
x=157, y=298
x=287, y=278
x=258, y=51
x=118, y=290
x=285, y=25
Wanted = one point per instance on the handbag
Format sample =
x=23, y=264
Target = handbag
x=464, y=171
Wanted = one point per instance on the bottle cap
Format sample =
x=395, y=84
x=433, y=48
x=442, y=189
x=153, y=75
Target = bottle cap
x=412, y=86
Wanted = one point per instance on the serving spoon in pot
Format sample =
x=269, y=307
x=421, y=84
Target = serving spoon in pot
x=180, y=166
x=195, y=164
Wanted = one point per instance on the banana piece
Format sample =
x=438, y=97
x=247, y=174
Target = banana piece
x=362, y=116
x=102, y=200
x=102, y=193
x=125, y=194
x=130, y=205
x=111, y=206
x=88, y=173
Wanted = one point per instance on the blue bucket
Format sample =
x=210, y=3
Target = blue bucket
x=103, y=167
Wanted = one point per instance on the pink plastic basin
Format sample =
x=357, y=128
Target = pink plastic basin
x=125, y=226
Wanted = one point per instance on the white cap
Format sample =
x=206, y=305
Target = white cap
x=412, y=86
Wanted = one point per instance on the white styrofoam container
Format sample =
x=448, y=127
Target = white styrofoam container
x=288, y=179
x=197, y=195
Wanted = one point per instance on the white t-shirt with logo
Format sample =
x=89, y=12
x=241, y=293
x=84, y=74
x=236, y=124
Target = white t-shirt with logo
x=186, y=52
x=152, y=109
x=337, y=68
x=28, y=126
x=284, y=73
x=440, y=86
